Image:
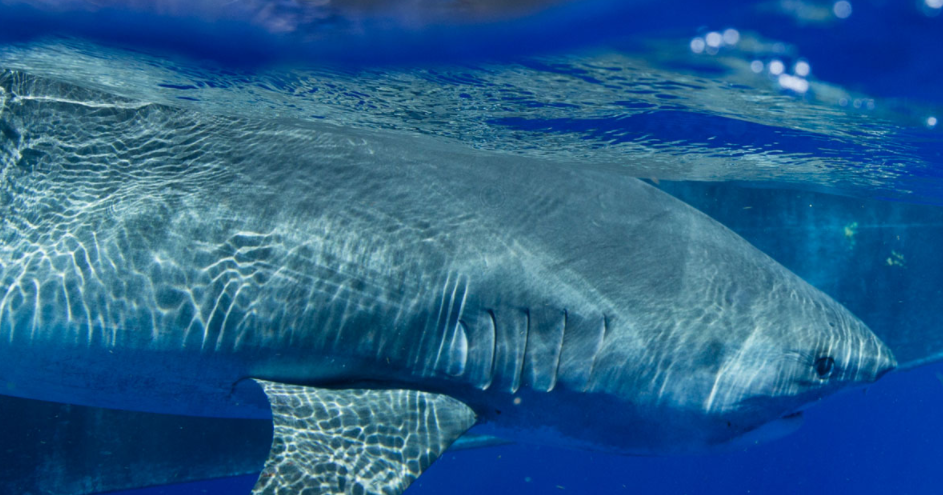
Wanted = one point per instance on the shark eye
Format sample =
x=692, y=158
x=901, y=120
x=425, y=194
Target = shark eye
x=824, y=366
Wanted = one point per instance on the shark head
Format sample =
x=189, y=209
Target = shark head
x=780, y=369
x=794, y=346
x=734, y=372
x=728, y=344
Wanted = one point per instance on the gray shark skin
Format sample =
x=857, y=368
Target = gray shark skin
x=157, y=259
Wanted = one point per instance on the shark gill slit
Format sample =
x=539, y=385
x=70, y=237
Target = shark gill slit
x=556, y=368
x=494, y=351
x=523, y=357
x=599, y=348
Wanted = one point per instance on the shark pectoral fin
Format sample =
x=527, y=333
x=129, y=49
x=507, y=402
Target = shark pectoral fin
x=355, y=441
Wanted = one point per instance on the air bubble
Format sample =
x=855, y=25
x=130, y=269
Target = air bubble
x=842, y=9
x=697, y=45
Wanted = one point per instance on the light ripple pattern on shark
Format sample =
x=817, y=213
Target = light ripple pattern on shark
x=323, y=451
x=157, y=259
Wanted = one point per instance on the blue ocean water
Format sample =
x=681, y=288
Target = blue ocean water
x=887, y=439
x=796, y=97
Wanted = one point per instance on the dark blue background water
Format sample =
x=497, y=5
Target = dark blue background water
x=885, y=439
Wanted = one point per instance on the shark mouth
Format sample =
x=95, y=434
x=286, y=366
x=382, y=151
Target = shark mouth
x=768, y=432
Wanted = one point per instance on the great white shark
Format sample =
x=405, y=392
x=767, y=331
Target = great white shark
x=387, y=291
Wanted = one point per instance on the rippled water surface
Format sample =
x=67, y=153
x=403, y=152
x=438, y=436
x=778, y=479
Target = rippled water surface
x=672, y=114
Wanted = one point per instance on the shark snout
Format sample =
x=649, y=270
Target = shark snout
x=877, y=363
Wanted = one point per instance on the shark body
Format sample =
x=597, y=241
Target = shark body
x=164, y=261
